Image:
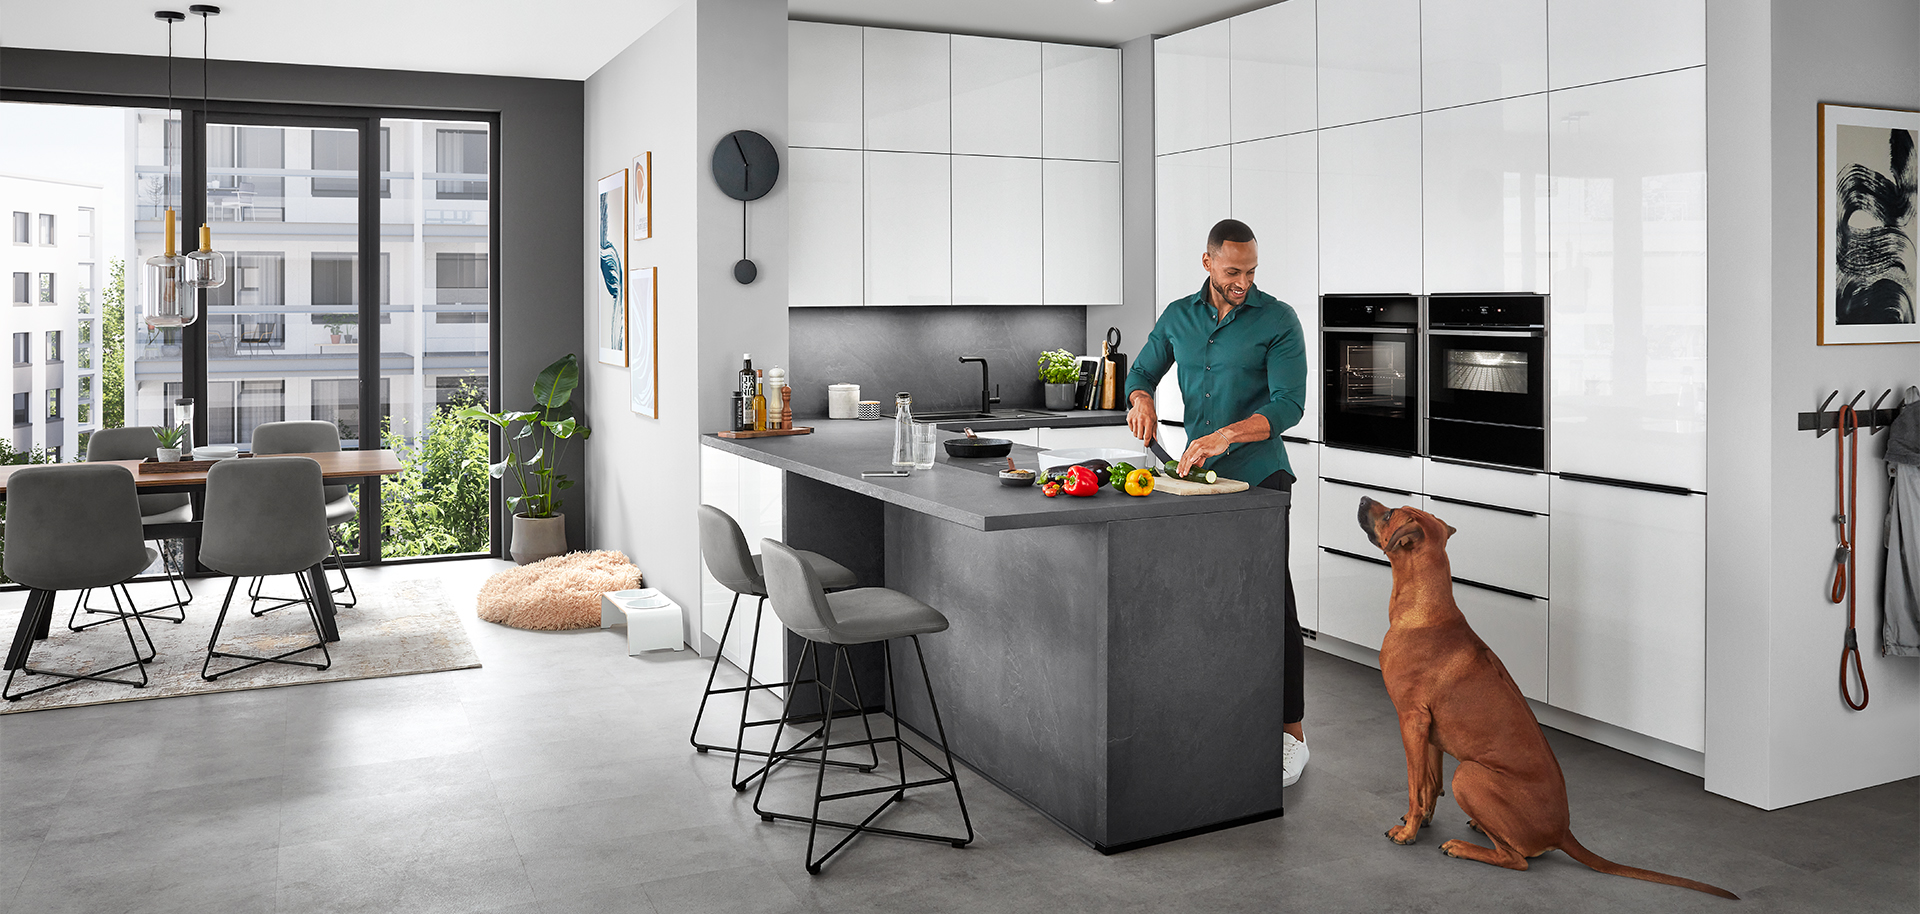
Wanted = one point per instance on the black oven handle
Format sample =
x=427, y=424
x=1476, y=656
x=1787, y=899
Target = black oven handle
x=1405, y=330
x=1513, y=334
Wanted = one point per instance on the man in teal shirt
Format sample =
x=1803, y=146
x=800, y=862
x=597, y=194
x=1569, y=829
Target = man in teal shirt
x=1243, y=376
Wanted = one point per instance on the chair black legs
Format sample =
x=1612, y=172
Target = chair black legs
x=895, y=791
x=313, y=613
x=346, y=587
x=35, y=623
x=176, y=582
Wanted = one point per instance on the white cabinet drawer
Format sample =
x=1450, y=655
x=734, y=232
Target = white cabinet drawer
x=1495, y=547
x=1515, y=628
x=1482, y=485
x=1340, y=514
x=1370, y=469
x=1353, y=599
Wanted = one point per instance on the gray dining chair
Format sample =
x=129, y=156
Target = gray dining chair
x=72, y=527
x=264, y=516
x=138, y=442
x=312, y=437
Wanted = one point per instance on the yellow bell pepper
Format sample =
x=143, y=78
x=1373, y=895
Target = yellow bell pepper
x=1139, y=482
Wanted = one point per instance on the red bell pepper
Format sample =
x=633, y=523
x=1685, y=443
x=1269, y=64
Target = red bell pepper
x=1082, y=481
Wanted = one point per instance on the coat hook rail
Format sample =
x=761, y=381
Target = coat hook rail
x=1874, y=419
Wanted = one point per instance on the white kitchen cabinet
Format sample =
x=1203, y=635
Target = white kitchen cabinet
x=1369, y=60
x=996, y=230
x=1495, y=547
x=996, y=96
x=908, y=91
x=909, y=229
x=1589, y=41
x=1627, y=639
x=1487, y=486
x=1629, y=258
x=1080, y=102
x=1190, y=96
x=754, y=495
x=824, y=85
x=1273, y=70
x=1113, y=436
x=1370, y=219
x=1276, y=193
x=1514, y=628
x=1080, y=232
x=1303, y=531
x=1479, y=50
x=1353, y=599
x=824, y=227
x=1369, y=468
x=1340, y=514
x=1192, y=191
x=1484, y=179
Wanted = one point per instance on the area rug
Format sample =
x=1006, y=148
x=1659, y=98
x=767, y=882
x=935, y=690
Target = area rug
x=397, y=630
x=556, y=594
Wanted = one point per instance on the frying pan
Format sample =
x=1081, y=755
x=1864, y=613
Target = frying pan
x=975, y=446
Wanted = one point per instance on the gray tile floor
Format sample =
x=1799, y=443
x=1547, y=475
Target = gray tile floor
x=558, y=779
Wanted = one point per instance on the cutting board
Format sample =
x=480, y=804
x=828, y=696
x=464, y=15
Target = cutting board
x=1173, y=486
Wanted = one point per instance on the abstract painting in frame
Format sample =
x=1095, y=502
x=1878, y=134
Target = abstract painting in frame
x=610, y=301
x=642, y=217
x=1869, y=233
x=643, y=337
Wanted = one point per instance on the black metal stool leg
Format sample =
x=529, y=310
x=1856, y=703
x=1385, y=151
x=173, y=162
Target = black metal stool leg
x=726, y=629
x=773, y=751
x=940, y=729
x=346, y=583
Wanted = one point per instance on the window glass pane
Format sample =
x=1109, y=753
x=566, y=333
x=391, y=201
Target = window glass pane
x=462, y=156
x=46, y=288
x=22, y=228
x=22, y=288
x=46, y=229
x=53, y=345
x=22, y=348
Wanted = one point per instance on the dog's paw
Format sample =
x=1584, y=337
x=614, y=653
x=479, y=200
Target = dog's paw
x=1403, y=834
x=1475, y=826
x=1448, y=847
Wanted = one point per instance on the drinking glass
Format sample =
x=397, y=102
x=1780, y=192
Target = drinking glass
x=924, y=435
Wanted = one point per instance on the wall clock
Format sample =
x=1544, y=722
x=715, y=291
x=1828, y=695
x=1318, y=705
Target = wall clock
x=745, y=165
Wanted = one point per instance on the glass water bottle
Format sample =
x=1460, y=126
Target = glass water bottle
x=903, y=430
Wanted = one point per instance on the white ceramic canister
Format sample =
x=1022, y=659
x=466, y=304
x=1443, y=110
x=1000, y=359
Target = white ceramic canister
x=843, y=401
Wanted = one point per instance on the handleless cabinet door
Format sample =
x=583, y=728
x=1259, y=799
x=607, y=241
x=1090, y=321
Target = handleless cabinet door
x=1479, y=50
x=1369, y=60
x=1589, y=41
x=1192, y=191
x=1272, y=70
x=1080, y=227
x=1627, y=640
x=824, y=85
x=1629, y=255
x=908, y=91
x=909, y=229
x=824, y=226
x=1080, y=102
x=1190, y=89
x=996, y=96
x=1484, y=180
x=1514, y=628
x=1370, y=207
x=1276, y=193
x=1500, y=548
x=996, y=231
x=1303, y=531
x=1353, y=599
x=1340, y=514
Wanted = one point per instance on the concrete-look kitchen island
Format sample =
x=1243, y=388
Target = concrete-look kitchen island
x=1113, y=661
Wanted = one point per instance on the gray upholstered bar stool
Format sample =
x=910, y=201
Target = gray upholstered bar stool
x=138, y=442
x=724, y=548
x=836, y=622
x=265, y=516
x=312, y=437
x=72, y=527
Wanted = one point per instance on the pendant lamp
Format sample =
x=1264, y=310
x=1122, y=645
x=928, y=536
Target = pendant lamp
x=206, y=267
x=167, y=301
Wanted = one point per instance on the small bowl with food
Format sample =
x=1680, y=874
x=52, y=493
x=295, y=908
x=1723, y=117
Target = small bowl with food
x=1014, y=476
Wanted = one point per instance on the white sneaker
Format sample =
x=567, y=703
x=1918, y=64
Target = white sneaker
x=1293, y=759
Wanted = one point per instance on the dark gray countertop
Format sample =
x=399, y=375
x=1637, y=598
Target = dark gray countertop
x=965, y=491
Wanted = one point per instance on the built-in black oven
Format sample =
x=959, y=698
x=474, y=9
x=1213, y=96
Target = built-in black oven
x=1486, y=383
x=1371, y=369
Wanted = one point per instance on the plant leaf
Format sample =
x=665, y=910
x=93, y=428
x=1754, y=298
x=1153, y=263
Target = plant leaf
x=555, y=385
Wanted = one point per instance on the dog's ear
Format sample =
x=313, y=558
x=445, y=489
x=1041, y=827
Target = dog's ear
x=1451, y=530
x=1408, y=536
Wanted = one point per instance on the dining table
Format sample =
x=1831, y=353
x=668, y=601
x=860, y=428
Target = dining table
x=336, y=467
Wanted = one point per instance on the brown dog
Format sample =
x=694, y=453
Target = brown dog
x=1454, y=696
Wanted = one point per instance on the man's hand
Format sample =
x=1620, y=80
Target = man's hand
x=1142, y=420
x=1199, y=449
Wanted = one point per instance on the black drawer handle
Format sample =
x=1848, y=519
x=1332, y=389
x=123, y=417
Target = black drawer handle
x=1363, y=485
x=1629, y=484
x=1475, y=504
x=1349, y=555
x=1503, y=590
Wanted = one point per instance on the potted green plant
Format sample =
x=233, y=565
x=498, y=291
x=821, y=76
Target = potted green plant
x=539, y=529
x=1060, y=371
x=170, y=437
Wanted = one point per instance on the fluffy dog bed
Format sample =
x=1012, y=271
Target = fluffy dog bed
x=558, y=593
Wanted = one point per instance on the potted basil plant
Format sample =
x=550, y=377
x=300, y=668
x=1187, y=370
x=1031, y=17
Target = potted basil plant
x=1060, y=372
x=169, y=437
x=535, y=441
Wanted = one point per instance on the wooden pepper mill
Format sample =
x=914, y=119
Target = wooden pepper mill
x=786, y=407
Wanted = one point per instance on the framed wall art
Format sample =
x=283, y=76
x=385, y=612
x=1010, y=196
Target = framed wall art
x=642, y=217
x=643, y=337
x=1869, y=231
x=610, y=302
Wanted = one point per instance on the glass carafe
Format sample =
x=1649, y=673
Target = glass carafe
x=903, y=429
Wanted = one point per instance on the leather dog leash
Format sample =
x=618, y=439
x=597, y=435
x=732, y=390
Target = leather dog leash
x=1846, y=571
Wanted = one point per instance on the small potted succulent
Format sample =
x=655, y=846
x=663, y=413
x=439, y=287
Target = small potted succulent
x=1060, y=371
x=170, y=437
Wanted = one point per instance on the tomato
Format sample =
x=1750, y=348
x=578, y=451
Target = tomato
x=1051, y=489
x=1139, y=482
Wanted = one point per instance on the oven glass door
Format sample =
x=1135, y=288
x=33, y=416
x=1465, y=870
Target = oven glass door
x=1486, y=397
x=1372, y=389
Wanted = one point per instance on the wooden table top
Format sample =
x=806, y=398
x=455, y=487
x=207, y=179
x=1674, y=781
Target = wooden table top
x=333, y=465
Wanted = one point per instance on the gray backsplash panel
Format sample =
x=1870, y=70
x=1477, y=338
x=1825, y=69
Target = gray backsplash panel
x=886, y=350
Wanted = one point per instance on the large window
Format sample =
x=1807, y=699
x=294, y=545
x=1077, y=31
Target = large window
x=261, y=402
x=339, y=150
x=246, y=174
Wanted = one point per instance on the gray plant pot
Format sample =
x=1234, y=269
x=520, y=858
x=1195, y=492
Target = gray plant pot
x=1060, y=396
x=536, y=538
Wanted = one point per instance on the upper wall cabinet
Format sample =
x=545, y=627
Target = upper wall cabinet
x=1479, y=50
x=1628, y=212
x=1275, y=192
x=1081, y=102
x=996, y=96
x=907, y=91
x=1484, y=179
x=1369, y=59
x=1272, y=70
x=1192, y=191
x=824, y=226
x=823, y=88
x=1589, y=41
x=996, y=230
x=1190, y=89
x=1081, y=243
x=1370, y=207
x=909, y=229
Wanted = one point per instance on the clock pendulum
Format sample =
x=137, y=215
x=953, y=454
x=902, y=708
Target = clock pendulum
x=745, y=165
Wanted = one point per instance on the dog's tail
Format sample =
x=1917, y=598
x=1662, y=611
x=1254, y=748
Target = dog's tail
x=1603, y=865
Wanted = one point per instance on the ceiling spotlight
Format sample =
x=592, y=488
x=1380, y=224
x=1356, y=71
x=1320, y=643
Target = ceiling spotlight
x=1103, y=1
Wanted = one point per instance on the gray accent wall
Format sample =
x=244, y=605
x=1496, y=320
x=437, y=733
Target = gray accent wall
x=886, y=350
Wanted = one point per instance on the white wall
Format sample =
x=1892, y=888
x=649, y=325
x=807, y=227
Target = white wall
x=708, y=68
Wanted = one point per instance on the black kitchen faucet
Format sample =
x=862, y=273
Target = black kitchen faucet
x=988, y=394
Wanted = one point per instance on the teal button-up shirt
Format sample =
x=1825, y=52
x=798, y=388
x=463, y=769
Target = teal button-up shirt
x=1254, y=361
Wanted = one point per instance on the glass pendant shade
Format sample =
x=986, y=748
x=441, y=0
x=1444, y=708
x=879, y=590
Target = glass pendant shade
x=206, y=268
x=168, y=300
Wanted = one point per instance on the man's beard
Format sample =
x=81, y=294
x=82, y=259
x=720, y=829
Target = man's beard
x=1219, y=293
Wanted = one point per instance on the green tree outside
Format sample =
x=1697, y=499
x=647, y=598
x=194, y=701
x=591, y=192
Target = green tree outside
x=440, y=502
x=113, y=347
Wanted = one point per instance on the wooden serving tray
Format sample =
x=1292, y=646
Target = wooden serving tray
x=770, y=433
x=151, y=465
